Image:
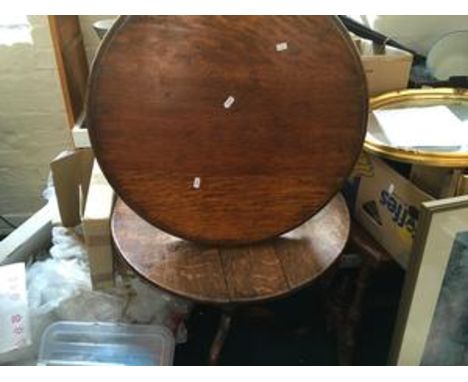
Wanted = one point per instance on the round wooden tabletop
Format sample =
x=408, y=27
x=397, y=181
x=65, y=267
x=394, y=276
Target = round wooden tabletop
x=227, y=130
x=220, y=275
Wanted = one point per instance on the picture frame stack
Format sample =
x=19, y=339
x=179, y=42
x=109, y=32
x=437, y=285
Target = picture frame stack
x=432, y=322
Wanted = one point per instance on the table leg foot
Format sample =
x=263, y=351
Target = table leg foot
x=347, y=345
x=220, y=338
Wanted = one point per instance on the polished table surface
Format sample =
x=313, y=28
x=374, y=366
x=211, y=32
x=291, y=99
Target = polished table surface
x=227, y=130
x=223, y=275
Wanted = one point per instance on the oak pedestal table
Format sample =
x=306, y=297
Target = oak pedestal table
x=229, y=276
x=234, y=135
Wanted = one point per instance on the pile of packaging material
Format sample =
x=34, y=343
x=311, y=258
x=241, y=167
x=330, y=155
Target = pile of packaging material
x=59, y=288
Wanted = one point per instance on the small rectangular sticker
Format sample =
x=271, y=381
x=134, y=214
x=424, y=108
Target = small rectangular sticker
x=229, y=101
x=281, y=46
x=196, y=183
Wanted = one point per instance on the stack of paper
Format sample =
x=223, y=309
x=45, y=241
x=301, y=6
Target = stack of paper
x=419, y=127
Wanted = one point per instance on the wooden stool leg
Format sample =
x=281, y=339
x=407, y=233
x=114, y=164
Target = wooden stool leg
x=347, y=348
x=220, y=338
x=327, y=302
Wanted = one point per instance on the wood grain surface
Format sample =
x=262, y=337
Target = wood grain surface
x=220, y=275
x=72, y=64
x=266, y=113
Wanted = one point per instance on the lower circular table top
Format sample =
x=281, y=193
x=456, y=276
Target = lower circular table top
x=221, y=275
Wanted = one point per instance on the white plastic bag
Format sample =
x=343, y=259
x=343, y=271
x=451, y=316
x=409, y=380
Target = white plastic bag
x=92, y=306
x=150, y=305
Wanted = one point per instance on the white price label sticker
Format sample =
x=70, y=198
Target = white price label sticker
x=196, y=183
x=229, y=101
x=14, y=319
x=281, y=46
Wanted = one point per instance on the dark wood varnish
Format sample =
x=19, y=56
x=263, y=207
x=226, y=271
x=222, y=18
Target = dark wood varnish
x=216, y=274
x=267, y=163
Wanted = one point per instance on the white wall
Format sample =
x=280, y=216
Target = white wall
x=33, y=123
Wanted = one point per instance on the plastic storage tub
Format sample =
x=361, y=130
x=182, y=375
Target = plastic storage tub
x=97, y=343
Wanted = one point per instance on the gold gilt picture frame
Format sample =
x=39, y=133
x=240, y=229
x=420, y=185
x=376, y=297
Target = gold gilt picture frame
x=432, y=322
x=457, y=99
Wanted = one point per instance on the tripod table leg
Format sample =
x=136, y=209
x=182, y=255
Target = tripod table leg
x=220, y=338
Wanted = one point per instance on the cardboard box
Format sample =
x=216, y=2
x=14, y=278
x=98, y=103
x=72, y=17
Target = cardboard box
x=387, y=205
x=83, y=195
x=71, y=171
x=96, y=228
x=29, y=238
x=80, y=133
x=385, y=72
x=439, y=182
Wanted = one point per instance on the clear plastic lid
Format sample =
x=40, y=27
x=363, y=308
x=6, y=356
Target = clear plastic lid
x=98, y=343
